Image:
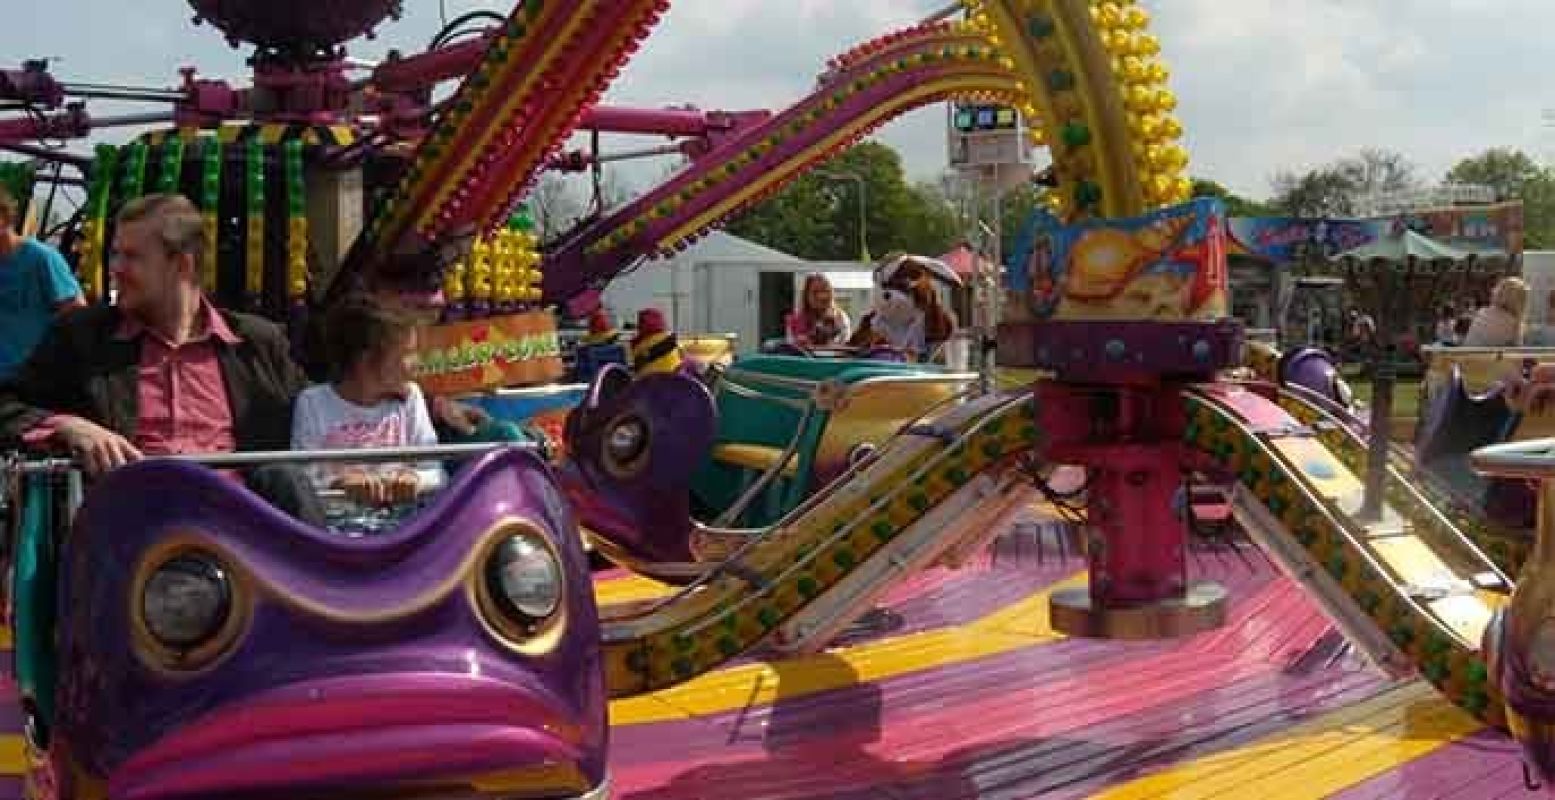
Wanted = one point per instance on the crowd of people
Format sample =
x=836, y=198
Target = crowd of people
x=1502, y=322
x=1498, y=321
x=163, y=371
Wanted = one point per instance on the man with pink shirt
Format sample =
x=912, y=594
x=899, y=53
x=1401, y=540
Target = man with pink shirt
x=163, y=371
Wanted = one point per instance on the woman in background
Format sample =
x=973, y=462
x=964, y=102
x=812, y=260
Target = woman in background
x=1447, y=325
x=818, y=321
x=1500, y=324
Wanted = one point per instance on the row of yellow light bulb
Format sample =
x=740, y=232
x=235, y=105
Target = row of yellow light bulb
x=297, y=257
x=1159, y=159
x=93, y=256
x=1123, y=14
x=503, y=269
x=1141, y=77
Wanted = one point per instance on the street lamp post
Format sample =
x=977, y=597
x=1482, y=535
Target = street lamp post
x=863, y=217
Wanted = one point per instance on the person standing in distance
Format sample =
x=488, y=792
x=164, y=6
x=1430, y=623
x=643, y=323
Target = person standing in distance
x=36, y=285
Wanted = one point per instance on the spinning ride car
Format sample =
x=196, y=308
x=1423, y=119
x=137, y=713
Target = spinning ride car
x=207, y=644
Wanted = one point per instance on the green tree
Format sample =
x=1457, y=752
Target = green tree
x=1374, y=170
x=1323, y=192
x=1514, y=175
x=1503, y=169
x=1018, y=207
x=817, y=216
x=1538, y=196
x=1236, y=205
x=1333, y=190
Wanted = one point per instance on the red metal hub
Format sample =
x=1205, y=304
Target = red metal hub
x=1129, y=438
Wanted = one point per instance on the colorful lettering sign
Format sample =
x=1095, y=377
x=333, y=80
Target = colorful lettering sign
x=1287, y=239
x=1166, y=265
x=479, y=355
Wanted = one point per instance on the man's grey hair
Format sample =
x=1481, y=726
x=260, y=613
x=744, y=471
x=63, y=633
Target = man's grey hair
x=179, y=224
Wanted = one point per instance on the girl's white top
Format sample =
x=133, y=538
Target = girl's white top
x=323, y=420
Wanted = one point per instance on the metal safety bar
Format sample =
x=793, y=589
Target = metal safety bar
x=259, y=458
x=778, y=381
x=1534, y=459
x=770, y=474
x=976, y=423
x=727, y=384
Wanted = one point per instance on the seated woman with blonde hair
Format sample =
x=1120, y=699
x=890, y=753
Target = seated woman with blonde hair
x=1500, y=324
x=817, y=320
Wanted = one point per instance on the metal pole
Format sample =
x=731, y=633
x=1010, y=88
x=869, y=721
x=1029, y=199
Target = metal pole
x=989, y=333
x=1381, y=398
x=261, y=458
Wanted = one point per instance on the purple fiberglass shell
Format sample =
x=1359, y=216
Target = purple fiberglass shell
x=634, y=445
x=379, y=664
x=1314, y=369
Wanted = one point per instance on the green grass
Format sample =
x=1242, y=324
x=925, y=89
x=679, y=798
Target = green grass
x=1406, y=392
x=1406, y=396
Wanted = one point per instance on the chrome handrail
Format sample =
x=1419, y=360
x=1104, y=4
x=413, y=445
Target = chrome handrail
x=832, y=486
x=1534, y=459
x=534, y=391
x=849, y=391
x=258, y=458
x=780, y=381
x=726, y=384
x=1511, y=352
x=750, y=494
x=975, y=425
x=978, y=421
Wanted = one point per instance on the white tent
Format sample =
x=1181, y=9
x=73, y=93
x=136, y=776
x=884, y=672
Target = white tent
x=670, y=284
x=725, y=284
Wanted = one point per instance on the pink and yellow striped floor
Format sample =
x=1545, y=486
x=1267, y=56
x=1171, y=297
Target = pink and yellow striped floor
x=966, y=692
x=962, y=690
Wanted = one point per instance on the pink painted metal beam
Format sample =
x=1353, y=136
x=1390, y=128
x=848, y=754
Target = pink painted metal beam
x=425, y=69
x=667, y=121
x=434, y=66
x=64, y=125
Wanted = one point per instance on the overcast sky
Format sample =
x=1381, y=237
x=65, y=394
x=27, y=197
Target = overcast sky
x=1264, y=84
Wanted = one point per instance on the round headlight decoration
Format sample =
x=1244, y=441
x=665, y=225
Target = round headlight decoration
x=186, y=601
x=627, y=440
x=524, y=579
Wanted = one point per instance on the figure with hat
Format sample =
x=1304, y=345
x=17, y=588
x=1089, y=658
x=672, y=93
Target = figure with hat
x=600, y=346
x=601, y=330
x=908, y=315
x=654, y=349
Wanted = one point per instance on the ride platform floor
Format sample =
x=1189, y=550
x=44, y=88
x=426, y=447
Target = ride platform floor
x=959, y=688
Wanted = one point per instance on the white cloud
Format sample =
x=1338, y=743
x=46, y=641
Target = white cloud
x=1264, y=84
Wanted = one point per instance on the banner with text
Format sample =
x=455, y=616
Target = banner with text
x=484, y=354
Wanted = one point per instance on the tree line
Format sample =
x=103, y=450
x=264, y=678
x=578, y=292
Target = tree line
x=1336, y=189
x=817, y=216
